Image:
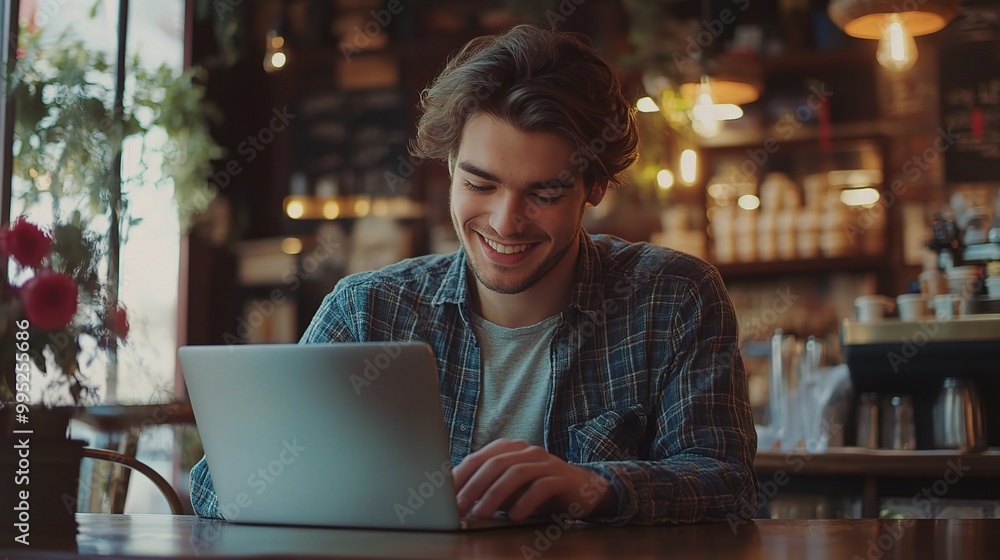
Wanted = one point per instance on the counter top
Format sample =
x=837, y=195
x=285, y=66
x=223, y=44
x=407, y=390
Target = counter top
x=163, y=536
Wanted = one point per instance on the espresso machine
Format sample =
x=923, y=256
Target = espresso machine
x=947, y=370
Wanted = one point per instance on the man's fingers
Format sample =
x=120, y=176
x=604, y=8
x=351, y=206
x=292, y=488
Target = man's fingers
x=508, y=479
x=535, y=496
x=472, y=462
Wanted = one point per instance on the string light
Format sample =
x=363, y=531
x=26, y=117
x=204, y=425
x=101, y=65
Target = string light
x=275, y=56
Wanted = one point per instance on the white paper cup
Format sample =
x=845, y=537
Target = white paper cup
x=993, y=286
x=964, y=281
x=872, y=308
x=946, y=306
x=912, y=307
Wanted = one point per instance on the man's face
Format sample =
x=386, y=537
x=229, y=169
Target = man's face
x=516, y=203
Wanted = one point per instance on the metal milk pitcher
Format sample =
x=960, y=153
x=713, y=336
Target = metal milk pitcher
x=959, y=418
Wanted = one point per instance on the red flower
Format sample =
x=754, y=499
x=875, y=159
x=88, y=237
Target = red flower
x=117, y=322
x=26, y=242
x=50, y=300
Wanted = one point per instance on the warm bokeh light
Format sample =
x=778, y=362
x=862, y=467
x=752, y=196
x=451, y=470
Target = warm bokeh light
x=727, y=111
x=665, y=179
x=331, y=209
x=689, y=166
x=646, y=105
x=278, y=59
x=291, y=245
x=703, y=118
x=859, y=197
x=361, y=207
x=749, y=202
x=295, y=209
x=896, y=48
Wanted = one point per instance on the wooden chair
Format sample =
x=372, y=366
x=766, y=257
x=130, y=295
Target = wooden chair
x=124, y=424
x=176, y=508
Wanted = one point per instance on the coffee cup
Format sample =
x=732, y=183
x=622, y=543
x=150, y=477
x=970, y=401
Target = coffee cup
x=964, y=281
x=932, y=283
x=912, y=307
x=872, y=308
x=946, y=306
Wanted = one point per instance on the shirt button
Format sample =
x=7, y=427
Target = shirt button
x=462, y=427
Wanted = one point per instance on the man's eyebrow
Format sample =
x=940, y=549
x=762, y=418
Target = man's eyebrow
x=479, y=172
x=550, y=184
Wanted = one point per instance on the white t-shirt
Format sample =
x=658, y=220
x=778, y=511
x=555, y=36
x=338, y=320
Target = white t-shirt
x=515, y=380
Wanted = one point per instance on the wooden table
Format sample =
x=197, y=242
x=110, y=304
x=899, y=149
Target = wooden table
x=157, y=536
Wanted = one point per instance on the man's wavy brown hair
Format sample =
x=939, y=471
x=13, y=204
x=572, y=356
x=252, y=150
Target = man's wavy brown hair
x=535, y=80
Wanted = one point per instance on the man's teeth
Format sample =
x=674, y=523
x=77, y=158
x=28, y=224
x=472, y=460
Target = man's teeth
x=506, y=249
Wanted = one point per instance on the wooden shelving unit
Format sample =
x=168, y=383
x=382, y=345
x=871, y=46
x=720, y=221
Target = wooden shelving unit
x=874, y=469
x=857, y=461
x=765, y=268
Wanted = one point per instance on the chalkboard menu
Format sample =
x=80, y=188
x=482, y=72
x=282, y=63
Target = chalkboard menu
x=347, y=141
x=970, y=111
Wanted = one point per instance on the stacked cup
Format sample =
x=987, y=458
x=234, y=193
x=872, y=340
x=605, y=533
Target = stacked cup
x=993, y=279
x=964, y=283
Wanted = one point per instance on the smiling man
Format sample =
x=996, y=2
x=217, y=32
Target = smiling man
x=579, y=374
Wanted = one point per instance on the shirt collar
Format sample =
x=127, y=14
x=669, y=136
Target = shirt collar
x=454, y=288
x=588, y=290
x=588, y=293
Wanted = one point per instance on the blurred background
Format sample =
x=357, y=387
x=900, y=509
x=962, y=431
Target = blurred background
x=812, y=167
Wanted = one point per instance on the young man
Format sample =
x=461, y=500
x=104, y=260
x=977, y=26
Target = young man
x=578, y=374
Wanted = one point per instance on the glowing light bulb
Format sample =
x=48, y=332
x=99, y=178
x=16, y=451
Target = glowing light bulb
x=689, y=166
x=665, y=179
x=291, y=245
x=703, y=116
x=897, y=50
x=646, y=105
x=275, y=56
x=749, y=202
x=295, y=209
x=278, y=60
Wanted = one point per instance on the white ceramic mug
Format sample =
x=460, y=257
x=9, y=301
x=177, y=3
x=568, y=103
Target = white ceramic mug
x=873, y=308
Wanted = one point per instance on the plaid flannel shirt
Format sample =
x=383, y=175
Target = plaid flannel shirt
x=647, y=384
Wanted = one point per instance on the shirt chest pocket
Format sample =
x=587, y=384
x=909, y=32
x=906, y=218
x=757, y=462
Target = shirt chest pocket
x=609, y=436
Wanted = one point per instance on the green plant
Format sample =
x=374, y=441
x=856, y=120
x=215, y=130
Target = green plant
x=66, y=136
x=68, y=143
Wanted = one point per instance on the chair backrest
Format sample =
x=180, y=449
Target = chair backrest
x=168, y=492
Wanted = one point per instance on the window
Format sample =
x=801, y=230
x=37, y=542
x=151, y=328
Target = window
x=149, y=256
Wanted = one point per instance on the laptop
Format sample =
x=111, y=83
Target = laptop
x=341, y=434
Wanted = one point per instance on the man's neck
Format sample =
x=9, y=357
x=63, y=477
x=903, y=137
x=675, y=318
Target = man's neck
x=549, y=296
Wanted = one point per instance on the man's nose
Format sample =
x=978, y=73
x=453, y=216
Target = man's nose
x=508, y=218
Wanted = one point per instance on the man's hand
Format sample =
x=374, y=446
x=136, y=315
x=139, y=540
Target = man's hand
x=526, y=480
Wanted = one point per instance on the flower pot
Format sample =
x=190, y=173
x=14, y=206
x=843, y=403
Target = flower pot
x=39, y=479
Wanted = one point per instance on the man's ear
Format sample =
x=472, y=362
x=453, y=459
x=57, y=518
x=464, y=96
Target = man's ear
x=597, y=193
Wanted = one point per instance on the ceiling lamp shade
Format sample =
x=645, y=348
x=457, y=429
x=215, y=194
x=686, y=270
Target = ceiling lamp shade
x=735, y=80
x=865, y=19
